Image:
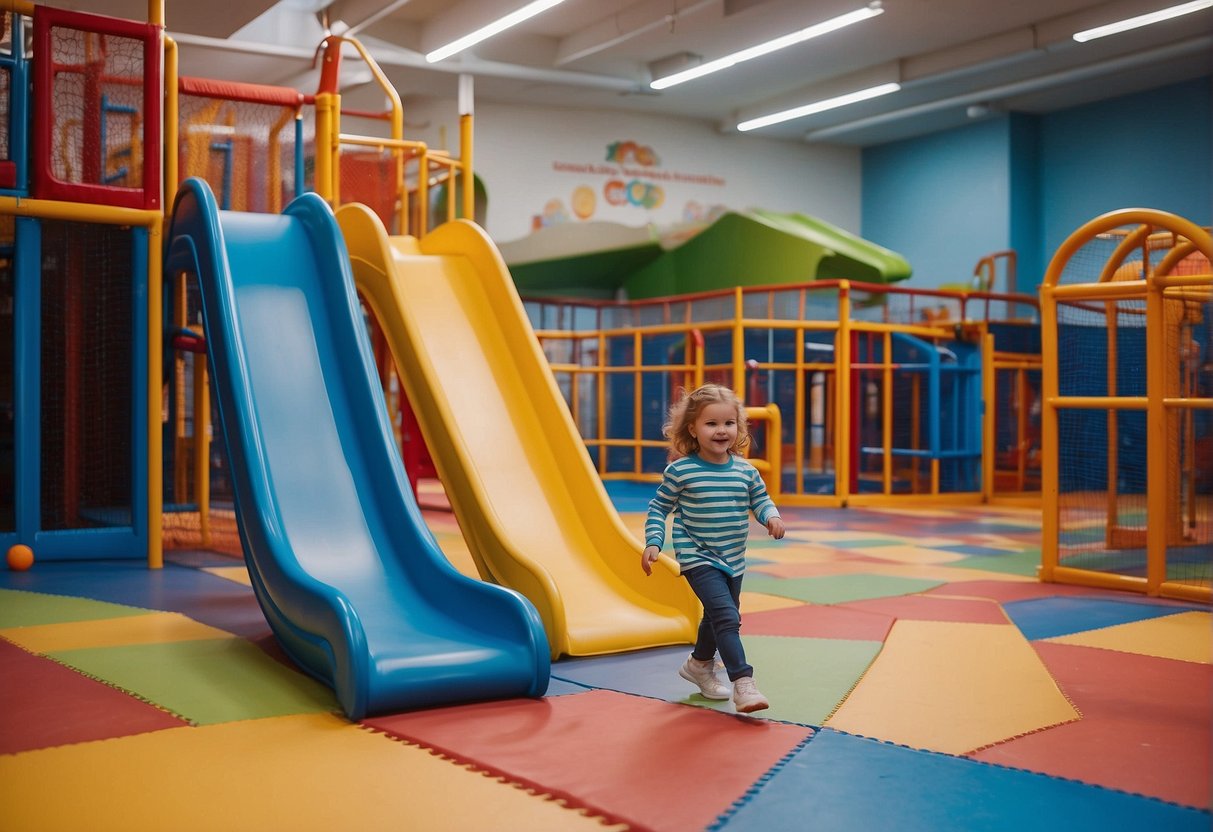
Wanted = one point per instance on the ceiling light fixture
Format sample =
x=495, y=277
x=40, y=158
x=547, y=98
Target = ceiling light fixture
x=496, y=27
x=818, y=106
x=816, y=30
x=1141, y=20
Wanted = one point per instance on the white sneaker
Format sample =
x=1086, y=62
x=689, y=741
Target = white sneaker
x=703, y=674
x=746, y=696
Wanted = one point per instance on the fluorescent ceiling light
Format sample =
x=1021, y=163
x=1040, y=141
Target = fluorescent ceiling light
x=496, y=27
x=816, y=30
x=1141, y=20
x=818, y=107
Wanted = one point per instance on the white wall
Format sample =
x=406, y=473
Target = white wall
x=541, y=166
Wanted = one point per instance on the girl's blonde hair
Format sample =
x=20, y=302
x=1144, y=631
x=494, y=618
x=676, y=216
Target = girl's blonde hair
x=686, y=410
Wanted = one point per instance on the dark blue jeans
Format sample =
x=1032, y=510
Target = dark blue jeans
x=720, y=629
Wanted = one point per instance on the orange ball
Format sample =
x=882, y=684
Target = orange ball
x=20, y=557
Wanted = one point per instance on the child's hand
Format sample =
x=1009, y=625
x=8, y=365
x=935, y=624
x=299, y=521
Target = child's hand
x=648, y=557
x=775, y=527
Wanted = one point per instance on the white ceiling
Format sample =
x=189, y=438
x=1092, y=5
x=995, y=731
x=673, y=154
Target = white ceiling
x=957, y=60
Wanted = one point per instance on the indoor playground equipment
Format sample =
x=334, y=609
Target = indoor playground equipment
x=534, y=512
x=884, y=393
x=80, y=282
x=1127, y=406
x=535, y=516
x=350, y=579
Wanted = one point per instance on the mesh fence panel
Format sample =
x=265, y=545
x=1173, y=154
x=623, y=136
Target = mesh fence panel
x=97, y=95
x=86, y=384
x=245, y=151
x=7, y=402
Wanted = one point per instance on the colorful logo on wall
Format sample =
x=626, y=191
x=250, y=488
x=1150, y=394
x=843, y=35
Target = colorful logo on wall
x=626, y=153
x=632, y=177
x=636, y=191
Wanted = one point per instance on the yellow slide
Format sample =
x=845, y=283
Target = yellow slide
x=533, y=510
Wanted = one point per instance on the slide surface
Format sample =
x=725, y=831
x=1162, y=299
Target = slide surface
x=531, y=506
x=349, y=577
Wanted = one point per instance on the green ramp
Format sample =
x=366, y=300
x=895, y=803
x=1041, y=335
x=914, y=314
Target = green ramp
x=763, y=248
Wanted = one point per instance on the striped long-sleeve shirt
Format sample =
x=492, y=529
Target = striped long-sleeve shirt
x=711, y=503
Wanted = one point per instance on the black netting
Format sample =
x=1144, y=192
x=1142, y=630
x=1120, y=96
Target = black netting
x=87, y=382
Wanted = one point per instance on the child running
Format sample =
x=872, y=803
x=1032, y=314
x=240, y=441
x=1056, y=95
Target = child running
x=711, y=490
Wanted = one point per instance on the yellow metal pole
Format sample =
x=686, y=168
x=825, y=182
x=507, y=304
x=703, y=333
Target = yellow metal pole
x=1049, y=494
x=465, y=158
x=171, y=115
x=326, y=142
x=1157, y=469
x=842, y=407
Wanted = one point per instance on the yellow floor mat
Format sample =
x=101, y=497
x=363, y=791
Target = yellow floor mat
x=935, y=684
x=153, y=628
x=310, y=772
x=239, y=574
x=1187, y=637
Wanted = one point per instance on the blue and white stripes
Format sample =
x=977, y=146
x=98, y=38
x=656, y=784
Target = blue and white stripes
x=711, y=503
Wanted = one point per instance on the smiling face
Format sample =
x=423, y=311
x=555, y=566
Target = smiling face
x=715, y=429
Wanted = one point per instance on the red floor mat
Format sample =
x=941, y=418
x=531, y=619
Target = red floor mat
x=819, y=621
x=924, y=608
x=1145, y=727
x=651, y=764
x=44, y=704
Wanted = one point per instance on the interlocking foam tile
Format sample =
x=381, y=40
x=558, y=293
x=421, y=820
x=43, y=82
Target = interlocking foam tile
x=206, y=681
x=912, y=554
x=1003, y=591
x=843, y=539
x=858, y=564
x=804, y=678
x=929, y=608
x=758, y=602
x=833, y=589
x=302, y=773
x=836, y=781
x=975, y=549
x=953, y=688
x=239, y=574
x=1145, y=728
x=43, y=704
x=27, y=609
x=1185, y=636
x=795, y=551
x=1049, y=617
x=630, y=759
x=110, y=632
x=652, y=673
x=206, y=598
x=818, y=621
x=1026, y=563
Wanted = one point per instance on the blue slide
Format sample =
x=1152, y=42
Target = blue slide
x=350, y=579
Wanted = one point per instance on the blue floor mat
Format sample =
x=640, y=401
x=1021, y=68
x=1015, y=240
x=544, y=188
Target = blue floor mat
x=1039, y=618
x=841, y=782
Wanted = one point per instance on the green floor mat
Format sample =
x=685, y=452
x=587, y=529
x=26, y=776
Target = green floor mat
x=29, y=609
x=806, y=678
x=206, y=681
x=837, y=589
x=1024, y=563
